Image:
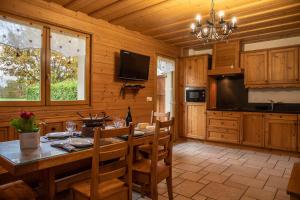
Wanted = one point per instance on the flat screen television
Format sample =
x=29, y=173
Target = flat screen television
x=133, y=66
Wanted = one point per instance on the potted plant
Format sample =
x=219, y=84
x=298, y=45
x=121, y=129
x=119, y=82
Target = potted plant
x=29, y=135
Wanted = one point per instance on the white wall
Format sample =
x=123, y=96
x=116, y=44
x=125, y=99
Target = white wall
x=192, y=52
x=272, y=43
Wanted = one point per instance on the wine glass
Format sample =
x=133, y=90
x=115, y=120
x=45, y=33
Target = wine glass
x=118, y=122
x=71, y=127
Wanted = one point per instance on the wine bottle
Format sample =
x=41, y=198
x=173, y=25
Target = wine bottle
x=128, y=117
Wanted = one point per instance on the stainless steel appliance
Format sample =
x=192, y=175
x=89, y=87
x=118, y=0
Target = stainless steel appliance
x=194, y=94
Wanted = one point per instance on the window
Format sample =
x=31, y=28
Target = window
x=67, y=66
x=42, y=64
x=20, y=62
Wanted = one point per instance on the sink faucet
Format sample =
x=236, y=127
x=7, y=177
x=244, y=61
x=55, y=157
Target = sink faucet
x=272, y=104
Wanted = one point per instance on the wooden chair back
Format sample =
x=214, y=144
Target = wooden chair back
x=162, y=146
x=120, y=153
x=158, y=115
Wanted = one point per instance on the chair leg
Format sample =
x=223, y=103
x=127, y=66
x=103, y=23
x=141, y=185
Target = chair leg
x=154, y=193
x=170, y=188
x=143, y=188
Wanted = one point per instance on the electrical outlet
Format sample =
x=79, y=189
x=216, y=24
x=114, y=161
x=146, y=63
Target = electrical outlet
x=149, y=99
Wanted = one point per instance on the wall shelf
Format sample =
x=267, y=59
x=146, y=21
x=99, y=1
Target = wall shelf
x=133, y=88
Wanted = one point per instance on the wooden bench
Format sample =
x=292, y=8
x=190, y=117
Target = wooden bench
x=293, y=188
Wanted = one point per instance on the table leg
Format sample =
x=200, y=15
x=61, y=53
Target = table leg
x=48, y=184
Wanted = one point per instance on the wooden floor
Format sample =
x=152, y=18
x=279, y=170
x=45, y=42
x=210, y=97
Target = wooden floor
x=215, y=171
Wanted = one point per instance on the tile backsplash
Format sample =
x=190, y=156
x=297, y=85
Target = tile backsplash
x=283, y=95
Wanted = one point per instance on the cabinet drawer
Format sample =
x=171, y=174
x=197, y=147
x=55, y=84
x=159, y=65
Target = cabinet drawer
x=225, y=135
x=231, y=114
x=223, y=123
x=280, y=116
x=214, y=113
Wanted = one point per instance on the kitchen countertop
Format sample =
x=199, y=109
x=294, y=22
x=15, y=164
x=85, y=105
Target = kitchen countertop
x=255, y=110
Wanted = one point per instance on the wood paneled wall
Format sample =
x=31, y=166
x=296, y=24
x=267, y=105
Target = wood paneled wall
x=107, y=40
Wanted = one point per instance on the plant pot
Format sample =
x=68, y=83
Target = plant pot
x=29, y=140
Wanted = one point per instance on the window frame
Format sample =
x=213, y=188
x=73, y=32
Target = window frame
x=48, y=68
x=45, y=82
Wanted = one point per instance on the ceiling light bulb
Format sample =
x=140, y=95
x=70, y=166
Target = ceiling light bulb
x=205, y=30
x=221, y=14
x=233, y=20
x=198, y=18
x=193, y=26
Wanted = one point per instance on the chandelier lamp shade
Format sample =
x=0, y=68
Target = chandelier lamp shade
x=215, y=28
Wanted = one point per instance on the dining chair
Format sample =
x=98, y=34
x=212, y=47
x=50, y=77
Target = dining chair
x=111, y=174
x=159, y=115
x=147, y=173
x=145, y=149
x=17, y=190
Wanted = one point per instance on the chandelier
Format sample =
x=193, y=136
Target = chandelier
x=213, y=29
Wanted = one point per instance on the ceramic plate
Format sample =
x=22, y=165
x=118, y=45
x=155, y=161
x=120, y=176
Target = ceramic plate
x=138, y=133
x=58, y=135
x=81, y=142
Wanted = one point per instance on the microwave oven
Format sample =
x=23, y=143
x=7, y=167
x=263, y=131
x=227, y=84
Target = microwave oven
x=193, y=94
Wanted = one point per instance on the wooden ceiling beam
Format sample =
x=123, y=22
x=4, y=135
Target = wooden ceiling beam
x=259, y=38
x=77, y=4
x=253, y=21
x=244, y=27
x=264, y=36
x=246, y=33
x=143, y=6
x=256, y=8
x=98, y=10
x=125, y=8
x=95, y=5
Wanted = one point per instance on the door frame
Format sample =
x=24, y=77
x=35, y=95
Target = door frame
x=175, y=90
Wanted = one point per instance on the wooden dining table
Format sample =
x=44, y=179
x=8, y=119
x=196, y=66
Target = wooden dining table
x=45, y=161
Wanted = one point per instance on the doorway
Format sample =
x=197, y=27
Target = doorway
x=165, y=93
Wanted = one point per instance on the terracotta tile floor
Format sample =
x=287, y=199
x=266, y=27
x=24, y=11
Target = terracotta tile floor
x=215, y=171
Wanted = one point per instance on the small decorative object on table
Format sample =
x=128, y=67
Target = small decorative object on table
x=28, y=131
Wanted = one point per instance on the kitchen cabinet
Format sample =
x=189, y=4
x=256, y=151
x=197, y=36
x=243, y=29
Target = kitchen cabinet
x=195, y=71
x=255, y=65
x=223, y=126
x=252, y=133
x=226, y=58
x=195, y=120
x=281, y=131
x=283, y=66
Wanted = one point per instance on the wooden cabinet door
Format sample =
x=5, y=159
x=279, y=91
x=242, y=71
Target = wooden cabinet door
x=226, y=55
x=195, y=120
x=281, y=133
x=283, y=66
x=196, y=71
x=252, y=129
x=256, y=67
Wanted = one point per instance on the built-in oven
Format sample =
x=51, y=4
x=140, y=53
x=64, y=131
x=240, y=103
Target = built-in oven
x=194, y=94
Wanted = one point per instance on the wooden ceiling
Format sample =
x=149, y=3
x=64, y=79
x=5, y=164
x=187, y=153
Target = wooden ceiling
x=169, y=20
